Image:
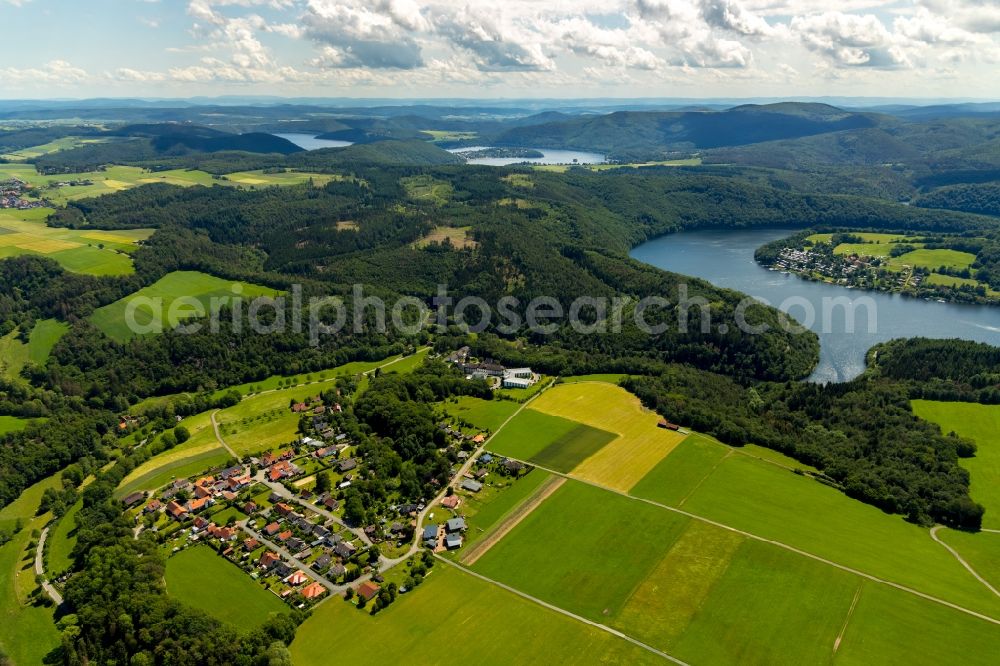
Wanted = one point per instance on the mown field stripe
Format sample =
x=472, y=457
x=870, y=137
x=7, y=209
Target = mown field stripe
x=563, y=611
x=847, y=620
x=842, y=567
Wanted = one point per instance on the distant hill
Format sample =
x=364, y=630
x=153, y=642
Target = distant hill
x=379, y=153
x=635, y=131
x=167, y=137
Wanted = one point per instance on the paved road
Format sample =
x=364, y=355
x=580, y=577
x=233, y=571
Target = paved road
x=563, y=611
x=961, y=560
x=40, y=568
x=218, y=436
x=285, y=493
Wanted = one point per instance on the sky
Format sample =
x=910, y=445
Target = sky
x=500, y=48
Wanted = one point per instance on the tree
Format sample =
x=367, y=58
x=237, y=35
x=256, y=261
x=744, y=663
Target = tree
x=182, y=434
x=323, y=482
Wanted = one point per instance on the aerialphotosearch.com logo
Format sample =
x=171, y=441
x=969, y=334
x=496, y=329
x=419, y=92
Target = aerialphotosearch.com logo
x=542, y=315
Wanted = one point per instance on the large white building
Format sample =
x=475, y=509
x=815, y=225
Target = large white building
x=518, y=378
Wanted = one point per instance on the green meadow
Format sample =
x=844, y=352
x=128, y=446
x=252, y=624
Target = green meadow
x=773, y=503
x=891, y=627
x=483, y=414
x=583, y=549
x=162, y=301
x=550, y=441
x=12, y=424
x=200, y=577
x=981, y=550
x=932, y=259
x=484, y=510
x=980, y=423
x=18, y=617
x=61, y=540
x=456, y=619
x=89, y=251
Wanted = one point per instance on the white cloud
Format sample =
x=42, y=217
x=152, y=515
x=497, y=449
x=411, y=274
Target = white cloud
x=850, y=40
x=58, y=72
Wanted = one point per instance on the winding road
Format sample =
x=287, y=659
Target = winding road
x=961, y=560
x=40, y=568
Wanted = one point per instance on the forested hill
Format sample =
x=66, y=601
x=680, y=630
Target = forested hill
x=631, y=131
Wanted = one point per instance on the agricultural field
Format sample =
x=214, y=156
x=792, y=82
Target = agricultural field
x=549, y=441
x=92, y=252
x=19, y=618
x=889, y=626
x=482, y=414
x=455, y=618
x=154, y=315
x=981, y=550
x=980, y=423
x=261, y=179
x=485, y=510
x=451, y=135
x=771, y=502
x=427, y=189
x=200, y=577
x=65, y=143
x=458, y=237
x=933, y=259
x=584, y=549
x=14, y=354
x=638, y=444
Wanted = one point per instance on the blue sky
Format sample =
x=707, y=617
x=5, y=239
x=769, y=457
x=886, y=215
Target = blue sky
x=515, y=48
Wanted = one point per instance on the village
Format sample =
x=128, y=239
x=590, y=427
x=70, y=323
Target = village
x=280, y=516
x=852, y=270
x=12, y=195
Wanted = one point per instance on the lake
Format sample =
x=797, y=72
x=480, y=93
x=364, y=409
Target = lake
x=550, y=156
x=725, y=258
x=311, y=142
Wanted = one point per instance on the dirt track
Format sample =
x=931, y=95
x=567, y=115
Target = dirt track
x=511, y=521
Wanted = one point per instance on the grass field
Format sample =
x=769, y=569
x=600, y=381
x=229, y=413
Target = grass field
x=200, y=577
x=64, y=143
x=18, y=619
x=980, y=550
x=201, y=449
x=457, y=236
x=612, y=378
x=553, y=442
x=261, y=179
x=12, y=424
x=483, y=414
x=980, y=423
x=153, y=315
x=427, y=189
x=456, y=619
x=771, y=606
x=80, y=251
x=481, y=516
x=933, y=259
x=583, y=549
x=61, y=540
x=768, y=501
x=892, y=627
x=638, y=446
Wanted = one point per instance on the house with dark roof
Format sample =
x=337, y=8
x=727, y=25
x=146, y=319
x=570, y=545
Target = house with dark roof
x=345, y=549
x=472, y=486
x=347, y=465
x=453, y=541
x=336, y=571
x=322, y=562
x=456, y=525
x=134, y=499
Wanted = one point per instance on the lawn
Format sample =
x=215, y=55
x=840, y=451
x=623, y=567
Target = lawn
x=553, y=442
x=12, y=424
x=891, y=627
x=639, y=446
x=80, y=251
x=153, y=304
x=773, y=503
x=454, y=618
x=482, y=414
x=200, y=577
x=980, y=423
x=584, y=549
